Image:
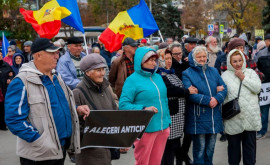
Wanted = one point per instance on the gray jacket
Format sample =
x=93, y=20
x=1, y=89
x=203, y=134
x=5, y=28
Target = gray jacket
x=47, y=146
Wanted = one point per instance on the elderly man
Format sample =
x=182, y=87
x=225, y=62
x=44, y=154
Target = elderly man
x=27, y=51
x=213, y=50
x=190, y=44
x=69, y=64
x=41, y=111
x=123, y=66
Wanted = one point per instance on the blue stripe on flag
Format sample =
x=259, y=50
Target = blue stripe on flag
x=5, y=45
x=141, y=15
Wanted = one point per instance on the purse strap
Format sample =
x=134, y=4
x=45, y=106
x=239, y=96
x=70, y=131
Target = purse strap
x=87, y=97
x=239, y=89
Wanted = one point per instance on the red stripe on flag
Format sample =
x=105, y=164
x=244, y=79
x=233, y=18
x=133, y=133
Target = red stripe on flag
x=48, y=29
x=111, y=41
x=45, y=30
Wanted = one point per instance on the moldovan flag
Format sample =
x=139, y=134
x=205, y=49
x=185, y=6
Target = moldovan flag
x=137, y=23
x=47, y=20
x=5, y=45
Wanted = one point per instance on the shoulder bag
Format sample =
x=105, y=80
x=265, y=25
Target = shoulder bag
x=232, y=108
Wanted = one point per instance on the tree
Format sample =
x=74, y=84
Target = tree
x=266, y=17
x=243, y=15
x=168, y=19
x=196, y=15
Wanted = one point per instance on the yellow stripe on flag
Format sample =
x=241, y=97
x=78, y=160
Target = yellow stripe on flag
x=51, y=11
x=123, y=24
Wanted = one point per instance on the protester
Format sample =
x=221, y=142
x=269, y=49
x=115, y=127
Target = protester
x=5, y=78
x=148, y=93
x=69, y=64
x=143, y=42
x=9, y=57
x=41, y=110
x=95, y=92
x=242, y=127
x=190, y=43
x=123, y=66
x=169, y=41
x=17, y=50
x=213, y=50
x=18, y=60
x=176, y=99
x=263, y=62
x=221, y=61
x=177, y=63
x=107, y=56
x=95, y=50
x=203, y=115
x=27, y=51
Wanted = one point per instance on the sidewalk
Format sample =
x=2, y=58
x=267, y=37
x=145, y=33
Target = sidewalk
x=8, y=152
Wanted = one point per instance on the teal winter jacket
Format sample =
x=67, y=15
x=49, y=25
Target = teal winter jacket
x=144, y=89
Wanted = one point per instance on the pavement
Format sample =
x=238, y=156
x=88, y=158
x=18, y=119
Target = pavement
x=8, y=152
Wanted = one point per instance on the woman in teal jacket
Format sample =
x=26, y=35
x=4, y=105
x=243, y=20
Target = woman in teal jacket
x=145, y=90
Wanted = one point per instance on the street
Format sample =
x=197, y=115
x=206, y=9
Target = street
x=8, y=152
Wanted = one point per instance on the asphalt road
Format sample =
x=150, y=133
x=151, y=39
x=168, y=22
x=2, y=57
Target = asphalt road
x=8, y=152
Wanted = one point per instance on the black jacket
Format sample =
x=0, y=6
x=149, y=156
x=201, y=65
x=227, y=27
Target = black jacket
x=179, y=68
x=5, y=69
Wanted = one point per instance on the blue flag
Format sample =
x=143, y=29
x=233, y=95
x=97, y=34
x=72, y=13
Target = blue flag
x=74, y=20
x=5, y=45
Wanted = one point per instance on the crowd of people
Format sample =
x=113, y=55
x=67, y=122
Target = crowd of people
x=49, y=89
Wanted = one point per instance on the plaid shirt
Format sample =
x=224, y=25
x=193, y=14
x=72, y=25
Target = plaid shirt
x=129, y=64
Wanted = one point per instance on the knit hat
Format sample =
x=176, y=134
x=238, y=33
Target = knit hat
x=28, y=43
x=163, y=45
x=235, y=43
x=148, y=55
x=92, y=61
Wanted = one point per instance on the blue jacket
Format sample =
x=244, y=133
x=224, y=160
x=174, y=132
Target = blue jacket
x=67, y=69
x=144, y=89
x=17, y=108
x=200, y=118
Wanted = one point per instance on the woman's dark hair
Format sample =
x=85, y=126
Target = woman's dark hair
x=168, y=51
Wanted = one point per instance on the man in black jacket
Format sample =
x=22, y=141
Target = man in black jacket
x=6, y=75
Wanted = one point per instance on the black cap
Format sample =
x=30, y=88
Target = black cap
x=267, y=37
x=130, y=41
x=43, y=44
x=74, y=40
x=201, y=42
x=191, y=40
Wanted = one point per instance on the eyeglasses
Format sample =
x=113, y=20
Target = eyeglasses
x=10, y=51
x=177, y=54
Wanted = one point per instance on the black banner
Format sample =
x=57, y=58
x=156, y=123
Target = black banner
x=114, y=128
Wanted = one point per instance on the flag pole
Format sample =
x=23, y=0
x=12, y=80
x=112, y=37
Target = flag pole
x=86, y=48
x=160, y=35
x=4, y=44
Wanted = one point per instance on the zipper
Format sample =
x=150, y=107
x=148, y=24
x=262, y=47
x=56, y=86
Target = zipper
x=55, y=132
x=213, y=123
x=159, y=102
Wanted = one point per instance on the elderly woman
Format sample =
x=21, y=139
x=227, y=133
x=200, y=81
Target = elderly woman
x=145, y=90
x=242, y=127
x=9, y=58
x=177, y=103
x=18, y=60
x=203, y=115
x=94, y=91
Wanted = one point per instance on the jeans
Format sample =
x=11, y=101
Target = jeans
x=203, y=148
x=264, y=116
x=248, y=141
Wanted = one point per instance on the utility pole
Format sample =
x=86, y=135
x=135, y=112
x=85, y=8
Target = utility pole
x=150, y=6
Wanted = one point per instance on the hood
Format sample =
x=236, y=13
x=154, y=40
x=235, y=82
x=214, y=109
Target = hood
x=244, y=37
x=193, y=63
x=30, y=67
x=139, y=54
x=229, y=66
x=13, y=59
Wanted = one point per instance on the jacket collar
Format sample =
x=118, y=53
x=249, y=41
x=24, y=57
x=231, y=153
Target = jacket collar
x=90, y=84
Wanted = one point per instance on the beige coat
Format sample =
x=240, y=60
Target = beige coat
x=47, y=146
